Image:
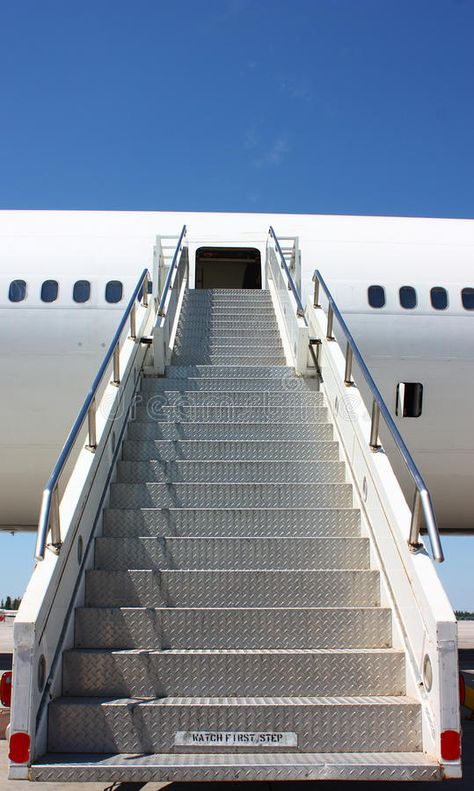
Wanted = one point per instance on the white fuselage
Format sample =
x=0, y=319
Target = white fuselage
x=49, y=352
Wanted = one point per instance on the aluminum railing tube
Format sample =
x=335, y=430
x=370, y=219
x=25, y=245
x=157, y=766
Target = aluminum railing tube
x=422, y=502
x=50, y=493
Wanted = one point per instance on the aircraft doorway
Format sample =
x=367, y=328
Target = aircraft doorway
x=228, y=267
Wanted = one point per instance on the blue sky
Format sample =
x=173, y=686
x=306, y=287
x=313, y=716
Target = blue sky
x=331, y=106
x=324, y=106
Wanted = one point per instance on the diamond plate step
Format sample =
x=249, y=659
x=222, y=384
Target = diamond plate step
x=287, y=385
x=232, y=628
x=230, y=471
x=224, y=323
x=322, y=724
x=170, y=430
x=250, y=305
x=237, y=356
x=208, y=767
x=239, y=495
x=236, y=398
x=231, y=371
x=231, y=553
x=313, y=522
x=203, y=333
x=234, y=344
x=253, y=308
x=213, y=314
x=203, y=294
x=238, y=673
x=230, y=413
x=209, y=344
x=305, y=588
x=250, y=450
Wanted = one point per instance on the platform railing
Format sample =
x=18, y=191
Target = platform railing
x=289, y=277
x=49, y=518
x=422, y=504
x=169, y=307
x=287, y=302
x=171, y=274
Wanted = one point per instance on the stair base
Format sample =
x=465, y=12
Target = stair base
x=245, y=767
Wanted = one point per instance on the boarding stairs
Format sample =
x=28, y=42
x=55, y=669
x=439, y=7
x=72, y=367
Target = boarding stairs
x=234, y=620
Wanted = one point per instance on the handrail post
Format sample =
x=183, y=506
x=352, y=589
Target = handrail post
x=348, y=371
x=116, y=365
x=133, y=322
x=374, y=427
x=316, y=293
x=415, y=526
x=329, y=333
x=54, y=521
x=91, y=426
x=145, y=291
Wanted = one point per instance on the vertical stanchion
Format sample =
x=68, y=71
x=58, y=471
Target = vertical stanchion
x=116, y=374
x=91, y=426
x=374, y=428
x=348, y=371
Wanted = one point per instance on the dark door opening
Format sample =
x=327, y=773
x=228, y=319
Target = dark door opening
x=228, y=267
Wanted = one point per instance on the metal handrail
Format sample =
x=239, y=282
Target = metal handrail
x=166, y=288
x=49, y=512
x=291, y=283
x=422, y=501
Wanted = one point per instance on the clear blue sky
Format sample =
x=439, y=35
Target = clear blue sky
x=329, y=106
x=332, y=106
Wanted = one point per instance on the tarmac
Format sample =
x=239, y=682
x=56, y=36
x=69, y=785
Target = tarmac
x=466, y=664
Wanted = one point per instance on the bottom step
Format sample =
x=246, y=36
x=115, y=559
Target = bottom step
x=131, y=768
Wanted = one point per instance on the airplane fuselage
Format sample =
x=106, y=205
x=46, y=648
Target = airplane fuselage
x=50, y=351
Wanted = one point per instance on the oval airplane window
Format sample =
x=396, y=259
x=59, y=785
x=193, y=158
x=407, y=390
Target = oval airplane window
x=113, y=291
x=17, y=291
x=439, y=298
x=407, y=297
x=467, y=295
x=376, y=296
x=81, y=291
x=49, y=291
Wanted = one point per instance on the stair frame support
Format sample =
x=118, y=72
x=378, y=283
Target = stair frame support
x=425, y=624
x=44, y=626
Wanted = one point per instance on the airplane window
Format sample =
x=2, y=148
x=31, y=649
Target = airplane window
x=407, y=297
x=439, y=298
x=113, y=291
x=468, y=298
x=17, y=291
x=49, y=291
x=81, y=291
x=376, y=296
x=409, y=399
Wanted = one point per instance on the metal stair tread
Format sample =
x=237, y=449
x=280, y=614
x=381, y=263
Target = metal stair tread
x=220, y=608
x=236, y=508
x=222, y=394
x=279, y=371
x=214, y=539
x=230, y=422
x=356, y=700
x=239, y=651
x=216, y=761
